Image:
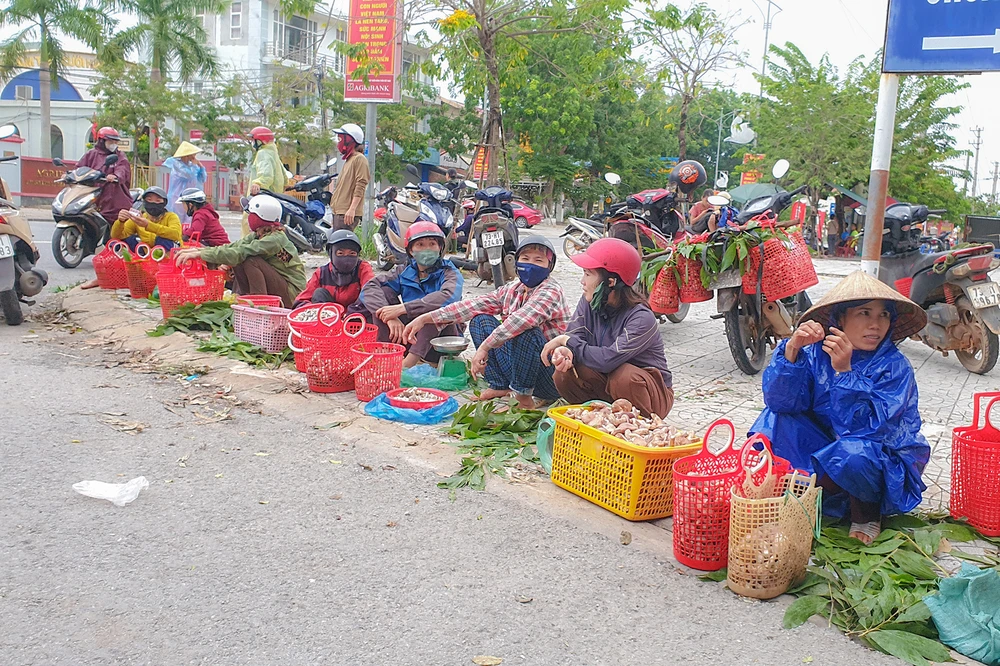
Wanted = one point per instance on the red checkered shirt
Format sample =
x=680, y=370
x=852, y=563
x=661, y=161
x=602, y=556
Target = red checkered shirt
x=520, y=307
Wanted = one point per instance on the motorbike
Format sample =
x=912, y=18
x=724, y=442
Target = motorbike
x=19, y=278
x=953, y=287
x=307, y=224
x=751, y=322
x=432, y=202
x=493, y=240
x=80, y=227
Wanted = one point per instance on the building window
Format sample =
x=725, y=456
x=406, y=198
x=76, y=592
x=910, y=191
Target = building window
x=57, y=141
x=339, y=59
x=236, y=20
x=200, y=15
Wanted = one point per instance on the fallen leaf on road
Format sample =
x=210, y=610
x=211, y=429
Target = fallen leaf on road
x=626, y=538
x=485, y=660
x=263, y=453
x=391, y=523
x=388, y=468
x=75, y=441
x=336, y=497
x=218, y=476
x=367, y=468
x=336, y=462
x=130, y=427
x=328, y=425
x=524, y=600
x=807, y=660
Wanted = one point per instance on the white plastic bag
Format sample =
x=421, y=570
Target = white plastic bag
x=119, y=494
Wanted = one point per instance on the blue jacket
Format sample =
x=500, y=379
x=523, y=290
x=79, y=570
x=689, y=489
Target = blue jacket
x=860, y=428
x=442, y=287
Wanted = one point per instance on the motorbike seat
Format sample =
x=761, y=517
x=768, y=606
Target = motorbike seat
x=285, y=199
x=907, y=265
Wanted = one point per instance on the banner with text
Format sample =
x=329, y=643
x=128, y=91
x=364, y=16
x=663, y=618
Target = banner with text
x=378, y=24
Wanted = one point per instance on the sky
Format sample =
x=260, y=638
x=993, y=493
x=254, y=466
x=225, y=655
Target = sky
x=846, y=29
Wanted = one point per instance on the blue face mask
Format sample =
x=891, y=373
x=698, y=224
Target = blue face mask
x=531, y=275
x=426, y=258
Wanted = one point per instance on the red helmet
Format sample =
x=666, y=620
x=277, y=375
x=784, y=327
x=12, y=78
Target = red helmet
x=613, y=255
x=261, y=133
x=423, y=229
x=108, y=133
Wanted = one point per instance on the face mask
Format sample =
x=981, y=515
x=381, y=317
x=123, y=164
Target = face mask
x=345, y=146
x=426, y=258
x=597, y=300
x=531, y=275
x=112, y=147
x=345, y=265
x=155, y=209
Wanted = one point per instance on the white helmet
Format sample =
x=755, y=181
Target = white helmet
x=265, y=207
x=353, y=131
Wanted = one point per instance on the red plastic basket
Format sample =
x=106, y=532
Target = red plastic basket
x=266, y=327
x=327, y=359
x=377, y=368
x=193, y=283
x=110, y=267
x=788, y=268
x=691, y=289
x=975, y=469
x=141, y=274
x=702, y=492
x=664, y=297
x=260, y=299
x=394, y=400
x=316, y=319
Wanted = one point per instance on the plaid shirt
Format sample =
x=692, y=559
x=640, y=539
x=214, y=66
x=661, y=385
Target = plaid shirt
x=521, y=308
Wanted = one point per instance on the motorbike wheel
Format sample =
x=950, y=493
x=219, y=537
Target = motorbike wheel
x=68, y=247
x=11, y=307
x=682, y=312
x=574, y=244
x=987, y=346
x=746, y=341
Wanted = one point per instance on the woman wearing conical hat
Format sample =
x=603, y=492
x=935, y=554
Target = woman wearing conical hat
x=186, y=172
x=842, y=402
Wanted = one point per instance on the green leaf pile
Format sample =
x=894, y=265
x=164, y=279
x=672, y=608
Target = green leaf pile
x=227, y=344
x=213, y=316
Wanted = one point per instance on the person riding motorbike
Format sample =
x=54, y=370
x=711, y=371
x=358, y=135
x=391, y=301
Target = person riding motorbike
x=154, y=226
x=115, y=194
x=204, y=218
x=186, y=173
x=349, y=191
x=340, y=281
x=266, y=172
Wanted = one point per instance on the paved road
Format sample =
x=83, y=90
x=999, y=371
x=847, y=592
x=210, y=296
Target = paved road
x=252, y=547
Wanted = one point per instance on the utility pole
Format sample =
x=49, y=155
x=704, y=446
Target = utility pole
x=767, y=40
x=371, y=124
x=320, y=71
x=996, y=172
x=965, y=187
x=975, y=172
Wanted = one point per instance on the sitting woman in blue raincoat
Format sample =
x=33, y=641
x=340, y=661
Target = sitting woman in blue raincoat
x=425, y=283
x=842, y=402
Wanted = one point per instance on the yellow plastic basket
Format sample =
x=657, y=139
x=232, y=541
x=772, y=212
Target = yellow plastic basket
x=635, y=482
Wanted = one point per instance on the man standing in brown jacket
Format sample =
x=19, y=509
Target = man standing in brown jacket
x=349, y=194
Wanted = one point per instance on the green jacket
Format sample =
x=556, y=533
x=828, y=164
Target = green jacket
x=267, y=170
x=274, y=248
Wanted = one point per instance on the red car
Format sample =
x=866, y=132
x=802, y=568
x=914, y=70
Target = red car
x=524, y=215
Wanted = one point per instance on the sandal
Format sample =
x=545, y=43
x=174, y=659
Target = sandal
x=866, y=532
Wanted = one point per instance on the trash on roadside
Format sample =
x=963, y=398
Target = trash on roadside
x=118, y=494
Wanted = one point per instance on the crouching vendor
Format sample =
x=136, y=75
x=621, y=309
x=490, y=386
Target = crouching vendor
x=612, y=348
x=427, y=282
x=155, y=226
x=842, y=402
x=340, y=281
x=508, y=351
x=264, y=261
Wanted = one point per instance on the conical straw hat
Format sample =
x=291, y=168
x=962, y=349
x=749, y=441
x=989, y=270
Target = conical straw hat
x=859, y=286
x=186, y=148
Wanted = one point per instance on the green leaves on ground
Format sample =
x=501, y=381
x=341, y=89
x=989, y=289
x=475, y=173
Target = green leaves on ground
x=804, y=608
x=491, y=440
x=214, y=316
x=909, y=647
x=227, y=344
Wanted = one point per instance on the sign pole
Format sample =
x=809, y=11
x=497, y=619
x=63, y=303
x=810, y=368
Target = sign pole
x=878, y=185
x=371, y=121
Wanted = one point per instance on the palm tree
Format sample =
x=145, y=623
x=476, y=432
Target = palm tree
x=170, y=33
x=42, y=22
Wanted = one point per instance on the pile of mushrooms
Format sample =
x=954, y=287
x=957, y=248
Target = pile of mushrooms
x=622, y=420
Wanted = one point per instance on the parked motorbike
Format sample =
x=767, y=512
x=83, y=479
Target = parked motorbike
x=953, y=287
x=493, y=241
x=80, y=227
x=19, y=278
x=752, y=323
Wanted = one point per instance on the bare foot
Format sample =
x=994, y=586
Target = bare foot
x=491, y=393
x=90, y=285
x=865, y=532
x=525, y=401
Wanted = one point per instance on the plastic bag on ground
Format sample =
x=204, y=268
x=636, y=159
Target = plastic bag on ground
x=118, y=494
x=380, y=408
x=426, y=376
x=966, y=612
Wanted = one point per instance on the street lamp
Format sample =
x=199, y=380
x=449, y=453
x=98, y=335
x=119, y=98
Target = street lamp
x=740, y=137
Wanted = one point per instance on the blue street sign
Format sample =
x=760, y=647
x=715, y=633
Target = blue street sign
x=942, y=36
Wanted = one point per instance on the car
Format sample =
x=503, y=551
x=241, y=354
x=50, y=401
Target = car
x=524, y=215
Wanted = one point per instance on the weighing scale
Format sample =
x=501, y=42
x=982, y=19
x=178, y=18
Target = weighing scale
x=450, y=346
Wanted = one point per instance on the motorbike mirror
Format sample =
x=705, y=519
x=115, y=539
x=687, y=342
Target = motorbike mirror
x=780, y=168
x=412, y=170
x=58, y=162
x=612, y=178
x=471, y=184
x=111, y=159
x=332, y=162
x=7, y=131
x=716, y=200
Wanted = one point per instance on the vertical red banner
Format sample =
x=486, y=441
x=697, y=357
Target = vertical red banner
x=378, y=24
x=481, y=163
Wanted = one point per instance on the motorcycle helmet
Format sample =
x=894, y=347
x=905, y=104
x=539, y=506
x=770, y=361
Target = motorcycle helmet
x=353, y=131
x=542, y=241
x=194, y=196
x=423, y=229
x=613, y=255
x=688, y=176
x=343, y=236
x=108, y=133
x=263, y=210
x=261, y=133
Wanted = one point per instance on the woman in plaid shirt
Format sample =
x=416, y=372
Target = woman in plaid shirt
x=508, y=352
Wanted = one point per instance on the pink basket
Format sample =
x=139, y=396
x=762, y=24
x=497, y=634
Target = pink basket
x=266, y=327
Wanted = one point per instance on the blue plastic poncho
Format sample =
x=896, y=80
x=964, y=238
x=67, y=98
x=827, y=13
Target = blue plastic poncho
x=182, y=176
x=860, y=428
